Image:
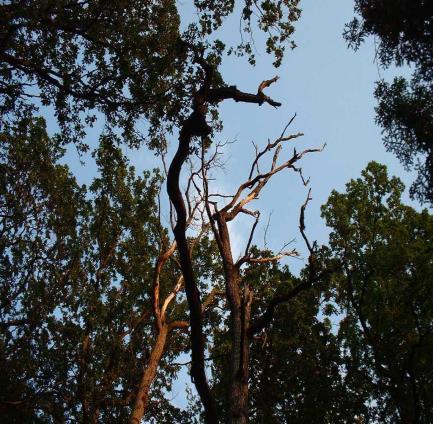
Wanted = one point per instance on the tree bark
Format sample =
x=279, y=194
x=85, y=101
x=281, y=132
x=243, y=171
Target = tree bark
x=195, y=125
x=149, y=374
x=239, y=300
x=238, y=397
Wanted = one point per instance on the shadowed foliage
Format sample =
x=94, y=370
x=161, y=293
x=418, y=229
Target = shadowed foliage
x=403, y=31
x=384, y=293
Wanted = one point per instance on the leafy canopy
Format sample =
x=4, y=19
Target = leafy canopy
x=383, y=291
x=76, y=271
x=404, y=33
x=129, y=59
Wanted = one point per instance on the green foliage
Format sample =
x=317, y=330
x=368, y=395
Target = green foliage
x=128, y=60
x=119, y=58
x=76, y=270
x=405, y=111
x=404, y=30
x=295, y=364
x=77, y=263
x=274, y=18
x=42, y=213
x=383, y=290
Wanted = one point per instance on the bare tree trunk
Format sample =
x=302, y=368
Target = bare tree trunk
x=240, y=306
x=149, y=374
x=195, y=126
x=238, y=397
x=236, y=394
x=239, y=294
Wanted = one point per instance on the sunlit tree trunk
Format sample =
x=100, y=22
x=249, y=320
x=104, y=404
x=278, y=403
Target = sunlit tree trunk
x=149, y=375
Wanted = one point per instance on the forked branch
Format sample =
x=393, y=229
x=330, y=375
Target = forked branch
x=313, y=277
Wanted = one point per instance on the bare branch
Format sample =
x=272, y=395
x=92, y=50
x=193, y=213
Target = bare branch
x=271, y=146
x=266, y=83
x=299, y=171
x=310, y=246
x=171, y=296
x=207, y=202
x=259, y=181
x=224, y=196
x=162, y=259
x=255, y=163
x=279, y=256
x=250, y=213
x=288, y=125
x=217, y=95
x=265, y=234
x=250, y=239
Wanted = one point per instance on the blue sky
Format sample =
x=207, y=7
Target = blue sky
x=331, y=89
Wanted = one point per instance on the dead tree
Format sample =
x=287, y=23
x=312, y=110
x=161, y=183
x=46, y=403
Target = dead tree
x=238, y=292
x=195, y=126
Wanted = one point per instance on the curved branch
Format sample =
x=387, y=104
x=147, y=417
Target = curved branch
x=195, y=125
x=162, y=259
x=170, y=297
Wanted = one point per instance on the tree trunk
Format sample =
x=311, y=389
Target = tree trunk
x=194, y=126
x=149, y=374
x=239, y=299
x=238, y=396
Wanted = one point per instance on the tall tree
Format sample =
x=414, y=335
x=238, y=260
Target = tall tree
x=238, y=289
x=78, y=284
x=384, y=291
x=404, y=33
x=87, y=56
